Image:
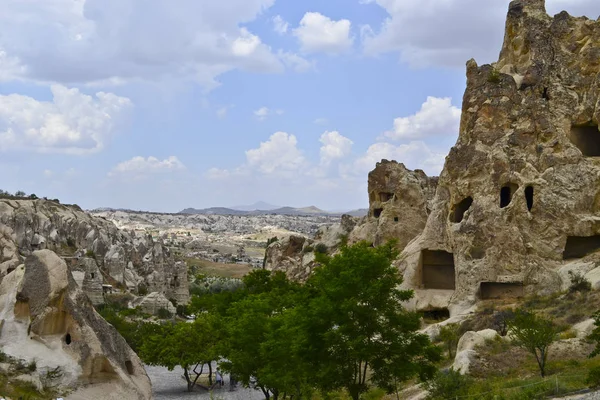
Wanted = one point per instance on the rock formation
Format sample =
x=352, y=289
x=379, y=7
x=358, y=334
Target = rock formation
x=46, y=318
x=399, y=203
x=121, y=258
x=518, y=197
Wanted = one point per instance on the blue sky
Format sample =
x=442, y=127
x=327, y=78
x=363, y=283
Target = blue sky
x=162, y=104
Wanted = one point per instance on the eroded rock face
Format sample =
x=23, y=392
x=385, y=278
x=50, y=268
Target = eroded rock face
x=46, y=318
x=399, y=203
x=122, y=257
x=293, y=255
x=518, y=197
x=153, y=302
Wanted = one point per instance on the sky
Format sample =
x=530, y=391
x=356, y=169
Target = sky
x=162, y=105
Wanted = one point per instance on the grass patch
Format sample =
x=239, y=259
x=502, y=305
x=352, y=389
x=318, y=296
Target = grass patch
x=210, y=268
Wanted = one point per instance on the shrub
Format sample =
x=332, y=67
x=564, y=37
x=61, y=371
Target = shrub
x=71, y=243
x=321, y=248
x=579, y=283
x=32, y=366
x=569, y=334
x=501, y=320
x=449, y=334
x=308, y=249
x=90, y=254
x=593, y=378
x=163, y=313
x=142, y=289
x=494, y=76
x=448, y=385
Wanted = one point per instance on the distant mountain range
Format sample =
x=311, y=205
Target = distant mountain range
x=262, y=208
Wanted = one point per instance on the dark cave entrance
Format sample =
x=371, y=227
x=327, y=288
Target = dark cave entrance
x=68, y=338
x=460, y=209
x=436, y=314
x=377, y=212
x=129, y=366
x=506, y=194
x=501, y=290
x=437, y=268
x=580, y=246
x=529, y=197
x=587, y=139
x=383, y=196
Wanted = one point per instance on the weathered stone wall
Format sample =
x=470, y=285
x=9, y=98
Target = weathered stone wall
x=531, y=184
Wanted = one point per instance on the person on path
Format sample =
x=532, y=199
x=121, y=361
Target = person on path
x=219, y=378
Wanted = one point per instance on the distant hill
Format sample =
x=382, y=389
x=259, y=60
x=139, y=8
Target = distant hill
x=258, y=206
x=311, y=210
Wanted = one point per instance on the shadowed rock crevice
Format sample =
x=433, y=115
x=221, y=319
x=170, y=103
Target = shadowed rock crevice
x=460, y=209
x=501, y=290
x=587, y=139
x=578, y=246
x=437, y=269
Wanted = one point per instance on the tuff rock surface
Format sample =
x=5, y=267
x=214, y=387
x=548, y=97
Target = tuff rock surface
x=518, y=198
x=46, y=318
x=123, y=259
x=293, y=255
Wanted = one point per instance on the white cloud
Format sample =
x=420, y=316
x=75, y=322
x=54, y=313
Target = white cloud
x=321, y=121
x=72, y=123
x=280, y=25
x=462, y=29
x=262, y=113
x=334, y=147
x=320, y=34
x=278, y=155
x=142, y=167
x=109, y=41
x=437, y=116
x=296, y=62
x=415, y=155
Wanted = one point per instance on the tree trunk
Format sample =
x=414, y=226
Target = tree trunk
x=210, y=373
x=186, y=374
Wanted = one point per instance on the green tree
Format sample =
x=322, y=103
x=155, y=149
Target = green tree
x=20, y=193
x=449, y=335
x=448, y=385
x=356, y=323
x=189, y=345
x=595, y=335
x=535, y=334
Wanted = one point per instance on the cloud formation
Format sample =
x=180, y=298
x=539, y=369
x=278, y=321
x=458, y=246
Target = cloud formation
x=279, y=155
x=437, y=116
x=320, y=34
x=334, y=147
x=139, y=167
x=72, y=123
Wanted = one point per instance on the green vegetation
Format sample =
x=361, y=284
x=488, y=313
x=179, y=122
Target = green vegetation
x=494, y=76
x=321, y=248
x=579, y=283
x=449, y=335
x=448, y=385
x=535, y=334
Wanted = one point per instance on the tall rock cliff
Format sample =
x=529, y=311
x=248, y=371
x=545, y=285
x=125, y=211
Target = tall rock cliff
x=99, y=247
x=518, y=201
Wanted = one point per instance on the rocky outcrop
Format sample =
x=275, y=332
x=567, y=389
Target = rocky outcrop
x=466, y=350
x=46, y=318
x=399, y=204
x=293, y=254
x=123, y=259
x=518, y=196
x=152, y=303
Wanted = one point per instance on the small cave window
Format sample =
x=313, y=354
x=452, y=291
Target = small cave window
x=529, y=197
x=436, y=314
x=459, y=210
x=586, y=138
x=545, y=94
x=129, y=366
x=377, y=212
x=506, y=194
x=68, y=338
x=93, y=275
x=396, y=219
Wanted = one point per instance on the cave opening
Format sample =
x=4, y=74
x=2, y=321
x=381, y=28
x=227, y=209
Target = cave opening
x=580, y=246
x=529, y=197
x=506, y=194
x=68, y=338
x=93, y=275
x=586, y=138
x=437, y=268
x=129, y=366
x=436, y=314
x=501, y=290
x=396, y=219
x=459, y=210
x=377, y=212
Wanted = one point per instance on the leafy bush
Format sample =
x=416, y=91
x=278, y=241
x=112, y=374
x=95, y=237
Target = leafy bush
x=142, y=289
x=90, y=254
x=593, y=378
x=71, y=243
x=579, y=283
x=321, y=248
x=494, y=76
x=163, y=313
x=449, y=335
x=448, y=385
x=308, y=249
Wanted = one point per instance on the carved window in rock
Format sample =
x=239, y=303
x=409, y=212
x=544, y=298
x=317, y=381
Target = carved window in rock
x=586, y=138
x=581, y=246
x=501, y=290
x=377, y=212
x=458, y=211
x=436, y=314
x=506, y=194
x=529, y=197
x=384, y=196
x=437, y=270
x=68, y=338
